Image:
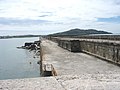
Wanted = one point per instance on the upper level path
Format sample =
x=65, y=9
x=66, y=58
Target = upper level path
x=92, y=40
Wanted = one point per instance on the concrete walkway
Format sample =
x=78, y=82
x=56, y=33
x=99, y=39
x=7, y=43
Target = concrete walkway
x=69, y=63
x=65, y=82
x=41, y=83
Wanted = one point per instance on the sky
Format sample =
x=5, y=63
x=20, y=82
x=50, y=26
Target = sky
x=50, y=16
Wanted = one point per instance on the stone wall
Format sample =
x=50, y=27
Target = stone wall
x=46, y=69
x=106, y=50
x=71, y=45
x=106, y=37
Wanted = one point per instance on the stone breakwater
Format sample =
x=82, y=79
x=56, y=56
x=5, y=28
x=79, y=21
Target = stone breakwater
x=67, y=63
x=108, y=50
x=75, y=71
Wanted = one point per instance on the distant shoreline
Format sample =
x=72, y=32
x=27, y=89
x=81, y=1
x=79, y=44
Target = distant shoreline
x=19, y=36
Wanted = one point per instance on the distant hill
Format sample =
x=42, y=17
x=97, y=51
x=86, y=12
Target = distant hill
x=77, y=32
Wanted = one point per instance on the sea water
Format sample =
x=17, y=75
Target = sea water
x=17, y=63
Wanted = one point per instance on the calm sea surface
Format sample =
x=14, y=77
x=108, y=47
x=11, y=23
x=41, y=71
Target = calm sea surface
x=15, y=63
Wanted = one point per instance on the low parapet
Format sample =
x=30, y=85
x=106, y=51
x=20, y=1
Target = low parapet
x=105, y=49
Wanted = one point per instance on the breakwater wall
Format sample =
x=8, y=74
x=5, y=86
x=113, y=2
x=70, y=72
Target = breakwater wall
x=71, y=45
x=105, y=50
x=46, y=69
x=105, y=37
x=108, y=50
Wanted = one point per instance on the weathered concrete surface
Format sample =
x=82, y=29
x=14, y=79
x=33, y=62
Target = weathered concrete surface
x=90, y=82
x=65, y=82
x=47, y=83
x=68, y=63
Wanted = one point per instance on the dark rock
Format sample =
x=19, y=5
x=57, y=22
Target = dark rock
x=28, y=44
x=38, y=62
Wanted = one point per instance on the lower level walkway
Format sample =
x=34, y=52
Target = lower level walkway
x=69, y=63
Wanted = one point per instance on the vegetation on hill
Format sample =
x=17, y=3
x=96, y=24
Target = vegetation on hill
x=77, y=32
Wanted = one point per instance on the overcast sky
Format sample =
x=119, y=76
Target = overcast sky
x=49, y=16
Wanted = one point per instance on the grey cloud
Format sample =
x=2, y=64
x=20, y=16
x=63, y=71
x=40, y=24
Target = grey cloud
x=43, y=15
x=10, y=21
x=116, y=1
x=2, y=0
